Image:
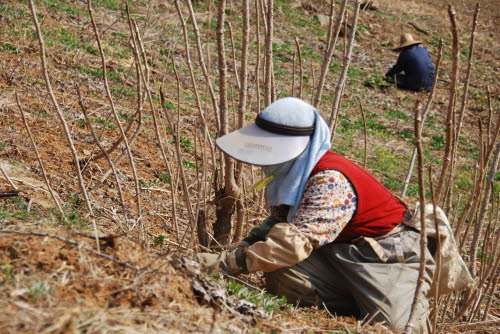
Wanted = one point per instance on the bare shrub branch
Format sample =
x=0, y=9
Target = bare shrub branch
x=343, y=75
x=56, y=106
x=40, y=162
x=113, y=109
x=330, y=49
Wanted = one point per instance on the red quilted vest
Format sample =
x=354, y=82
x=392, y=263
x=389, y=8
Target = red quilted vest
x=378, y=212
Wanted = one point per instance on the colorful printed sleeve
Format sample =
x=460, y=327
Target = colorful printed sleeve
x=328, y=204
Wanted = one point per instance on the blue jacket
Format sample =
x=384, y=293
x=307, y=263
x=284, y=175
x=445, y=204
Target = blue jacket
x=416, y=62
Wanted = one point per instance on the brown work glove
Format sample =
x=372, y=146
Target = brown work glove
x=232, y=261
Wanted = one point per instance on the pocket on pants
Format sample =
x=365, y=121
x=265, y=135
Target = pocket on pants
x=401, y=247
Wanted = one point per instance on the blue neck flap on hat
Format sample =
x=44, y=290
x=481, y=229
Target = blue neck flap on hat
x=291, y=177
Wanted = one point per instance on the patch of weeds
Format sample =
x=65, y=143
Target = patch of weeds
x=481, y=256
x=387, y=162
x=395, y=114
x=429, y=157
x=105, y=123
x=38, y=289
x=110, y=4
x=377, y=80
x=265, y=301
x=144, y=184
x=355, y=72
x=72, y=217
x=362, y=27
x=412, y=190
x=189, y=164
x=2, y=146
x=392, y=183
x=477, y=94
x=124, y=116
x=165, y=177
x=279, y=71
x=371, y=124
x=13, y=12
x=7, y=273
x=13, y=208
x=308, y=52
x=343, y=146
x=89, y=70
x=287, y=47
x=98, y=73
x=120, y=35
x=464, y=180
x=62, y=6
x=438, y=142
x=81, y=122
x=186, y=143
x=169, y=105
x=113, y=76
x=464, y=53
x=280, y=96
x=280, y=57
x=335, y=66
x=119, y=51
x=405, y=134
x=6, y=46
x=68, y=40
x=121, y=89
x=158, y=239
x=43, y=113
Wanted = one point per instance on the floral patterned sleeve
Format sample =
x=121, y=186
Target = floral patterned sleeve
x=328, y=204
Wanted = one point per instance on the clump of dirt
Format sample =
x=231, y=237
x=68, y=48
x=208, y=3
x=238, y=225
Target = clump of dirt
x=42, y=276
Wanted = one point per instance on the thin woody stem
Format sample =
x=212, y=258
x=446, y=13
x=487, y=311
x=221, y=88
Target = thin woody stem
x=199, y=48
x=101, y=147
x=301, y=75
x=58, y=110
x=423, y=233
x=424, y=115
x=347, y=60
x=268, y=87
x=451, y=105
x=329, y=51
x=365, y=132
x=40, y=162
x=113, y=110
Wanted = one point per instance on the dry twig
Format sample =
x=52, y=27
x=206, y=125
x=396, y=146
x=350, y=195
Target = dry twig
x=330, y=49
x=56, y=106
x=40, y=162
x=423, y=233
x=345, y=66
x=113, y=109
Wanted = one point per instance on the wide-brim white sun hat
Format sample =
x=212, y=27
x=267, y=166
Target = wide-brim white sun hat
x=280, y=134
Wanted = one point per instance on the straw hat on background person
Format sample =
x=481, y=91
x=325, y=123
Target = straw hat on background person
x=406, y=40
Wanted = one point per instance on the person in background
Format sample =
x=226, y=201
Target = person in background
x=334, y=236
x=415, y=61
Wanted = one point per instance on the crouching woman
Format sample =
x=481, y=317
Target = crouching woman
x=334, y=236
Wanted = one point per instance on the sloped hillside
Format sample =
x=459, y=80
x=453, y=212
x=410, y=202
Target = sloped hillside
x=119, y=259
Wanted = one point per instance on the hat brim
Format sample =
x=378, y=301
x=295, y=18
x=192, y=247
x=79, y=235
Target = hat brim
x=255, y=146
x=406, y=45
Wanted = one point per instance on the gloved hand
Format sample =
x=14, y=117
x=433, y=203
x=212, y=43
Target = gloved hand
x=232, y=261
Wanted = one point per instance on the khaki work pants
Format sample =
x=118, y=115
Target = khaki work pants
x=351, y=279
